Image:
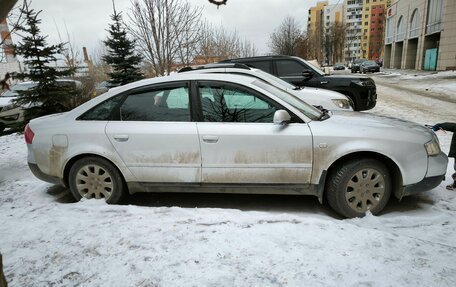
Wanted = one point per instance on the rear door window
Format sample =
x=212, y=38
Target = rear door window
x=167, y=104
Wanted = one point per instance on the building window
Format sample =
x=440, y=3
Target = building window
x=389, y=30
x=415, y=24
x=400, y=29
x=434, y=17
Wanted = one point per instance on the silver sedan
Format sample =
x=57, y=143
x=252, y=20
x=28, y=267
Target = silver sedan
x=231, y=133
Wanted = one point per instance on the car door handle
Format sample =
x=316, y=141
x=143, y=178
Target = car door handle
x=121, y=138
x=324, y=82
x=210, y=139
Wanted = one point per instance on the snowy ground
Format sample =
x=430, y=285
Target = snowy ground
x=227, y=240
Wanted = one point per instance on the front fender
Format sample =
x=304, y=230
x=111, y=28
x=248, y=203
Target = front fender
x=411, y=163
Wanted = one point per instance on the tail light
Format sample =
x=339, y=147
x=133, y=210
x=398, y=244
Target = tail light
x=28, y=134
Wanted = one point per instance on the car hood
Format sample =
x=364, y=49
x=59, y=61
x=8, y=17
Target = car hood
x=317, y=93
x=363, y=124
x=346, y=77
x=4, y=101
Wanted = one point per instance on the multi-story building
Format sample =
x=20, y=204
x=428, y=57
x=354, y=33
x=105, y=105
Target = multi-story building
x=421, y=34
x=372, y=29
x=353, y=22
x=315, y=29
x=333, y=19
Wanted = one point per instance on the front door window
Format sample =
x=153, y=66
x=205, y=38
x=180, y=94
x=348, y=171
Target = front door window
x=231, y=104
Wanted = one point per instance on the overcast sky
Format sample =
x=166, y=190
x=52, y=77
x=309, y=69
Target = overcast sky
x=254, y=20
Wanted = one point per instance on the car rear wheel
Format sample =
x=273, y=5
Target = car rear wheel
x=94, y=177
x=359, y=186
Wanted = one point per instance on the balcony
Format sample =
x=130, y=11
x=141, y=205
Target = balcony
x=400, y=37
x=388, y=40
x=433, y=28
x=414, y=33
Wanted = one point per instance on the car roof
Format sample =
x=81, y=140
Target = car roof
x=271, y=57
x=186, y=77
x=215, y=66
x=176, y=77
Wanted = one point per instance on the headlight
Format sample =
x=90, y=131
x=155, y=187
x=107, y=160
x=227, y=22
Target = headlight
x=8, y=107
x=342, y=103
x=433, y=147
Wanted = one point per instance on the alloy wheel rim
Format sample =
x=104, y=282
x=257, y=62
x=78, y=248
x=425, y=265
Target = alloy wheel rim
x=365, y=190
x=93, y=181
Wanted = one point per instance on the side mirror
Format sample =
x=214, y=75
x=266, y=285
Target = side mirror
x=307, y=74
x=281, y=117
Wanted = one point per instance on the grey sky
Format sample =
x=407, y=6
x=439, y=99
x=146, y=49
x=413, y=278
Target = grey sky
x=254, y=20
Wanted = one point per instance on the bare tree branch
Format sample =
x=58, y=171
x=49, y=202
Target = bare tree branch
x=167, y=31
x=284, y=40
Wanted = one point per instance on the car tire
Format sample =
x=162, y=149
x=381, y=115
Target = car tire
x=358, y=186
x=94, y=177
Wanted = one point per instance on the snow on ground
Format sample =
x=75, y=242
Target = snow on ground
x=439, y=85
x=47, y=239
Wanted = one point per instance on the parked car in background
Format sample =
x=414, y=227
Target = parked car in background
x=339, y=66
x=229, y=133
x=356, y=64
x=369, y=66
x=12, y=114
x=361, y=90
x=317, y=97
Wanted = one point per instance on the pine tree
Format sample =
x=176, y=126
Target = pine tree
x=46, y=96
x=121, y=54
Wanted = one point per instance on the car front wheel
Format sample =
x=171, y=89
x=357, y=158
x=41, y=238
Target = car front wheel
x=94, y=177
x=358, y=186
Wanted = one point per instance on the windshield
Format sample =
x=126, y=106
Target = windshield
x=9, y=94
x=369, y=63
x=19, y=87
x=314, y=68
x=275, y=81
x=303, y=107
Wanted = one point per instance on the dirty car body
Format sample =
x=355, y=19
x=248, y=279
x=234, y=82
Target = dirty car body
x=231, y=133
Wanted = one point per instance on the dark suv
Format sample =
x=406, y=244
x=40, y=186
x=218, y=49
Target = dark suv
x=360, y=89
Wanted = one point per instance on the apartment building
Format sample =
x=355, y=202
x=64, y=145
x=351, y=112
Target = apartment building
x=364, y=28
x=421, y=34
x=372, y=29
x=315, y=26
x=353, y=22
x=333, y=18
